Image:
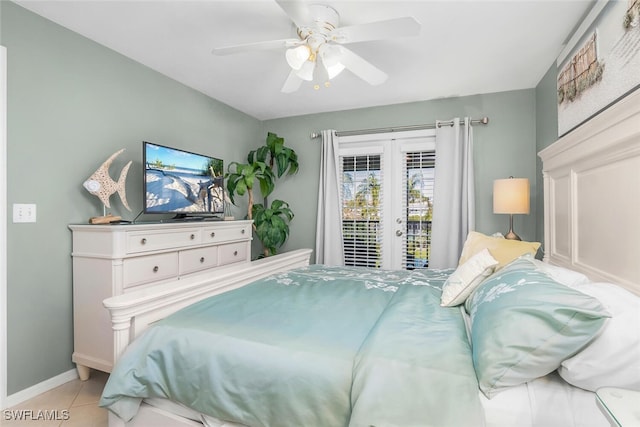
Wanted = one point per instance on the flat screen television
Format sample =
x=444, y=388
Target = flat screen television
x=183, y=183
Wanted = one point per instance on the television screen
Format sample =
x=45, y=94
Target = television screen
x=181, y=182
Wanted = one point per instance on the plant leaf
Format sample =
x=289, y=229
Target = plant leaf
x=282, y=163
x=241, y=187
x=293, y=161
x=251, y=156
x=262, y=154
x=231, y=187
x=266, y=185
x=260, y=166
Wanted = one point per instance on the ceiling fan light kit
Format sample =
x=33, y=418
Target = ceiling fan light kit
x=320, y=39
x=330, y=56
x=297, y=56
x=306, y=71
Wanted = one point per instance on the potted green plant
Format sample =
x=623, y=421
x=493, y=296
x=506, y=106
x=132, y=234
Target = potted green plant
x=265, y=165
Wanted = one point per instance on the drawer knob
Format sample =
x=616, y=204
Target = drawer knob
x=143, y=241
x=243, y=230
x=155, y=269
x=193, y=236
x=213, y=234
x=201, y=259
x=235, y=253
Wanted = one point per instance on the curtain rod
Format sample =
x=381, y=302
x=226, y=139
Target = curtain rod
x=484, y=121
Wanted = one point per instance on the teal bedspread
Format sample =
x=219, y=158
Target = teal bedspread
x=318, y=346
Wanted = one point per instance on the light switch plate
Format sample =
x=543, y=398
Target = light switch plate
x=24, y=212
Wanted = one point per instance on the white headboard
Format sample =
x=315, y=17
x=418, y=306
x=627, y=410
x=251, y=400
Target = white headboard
x=592, y=196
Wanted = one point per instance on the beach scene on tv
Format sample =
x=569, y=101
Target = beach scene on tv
x=180, y=182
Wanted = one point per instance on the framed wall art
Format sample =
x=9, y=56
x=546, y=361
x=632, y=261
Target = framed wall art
x=600, y=64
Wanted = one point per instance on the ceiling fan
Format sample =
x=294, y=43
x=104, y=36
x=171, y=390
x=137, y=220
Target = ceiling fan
x=319, y=50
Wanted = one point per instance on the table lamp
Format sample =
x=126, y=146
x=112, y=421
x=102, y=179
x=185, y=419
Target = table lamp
x=511, y=196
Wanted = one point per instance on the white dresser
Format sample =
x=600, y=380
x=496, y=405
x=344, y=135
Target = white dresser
x=110, y=260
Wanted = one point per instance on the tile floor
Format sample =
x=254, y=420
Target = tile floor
x=79, y=398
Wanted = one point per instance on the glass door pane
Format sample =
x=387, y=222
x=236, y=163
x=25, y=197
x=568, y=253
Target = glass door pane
x=362, y=210
x=418, y=173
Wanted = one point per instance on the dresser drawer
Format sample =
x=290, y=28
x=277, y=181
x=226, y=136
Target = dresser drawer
x=192, y=260
x=153, y=268
x=138, y=242
x=232, y=252
x=226, y=234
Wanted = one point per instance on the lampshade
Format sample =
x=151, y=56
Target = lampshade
x=330, y=56
x=511, y=196
x=306, y=71
x=296, y=56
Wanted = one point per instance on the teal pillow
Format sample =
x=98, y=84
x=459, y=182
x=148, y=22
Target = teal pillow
x=524, y=324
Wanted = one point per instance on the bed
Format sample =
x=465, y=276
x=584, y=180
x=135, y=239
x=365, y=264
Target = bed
x=502, y=340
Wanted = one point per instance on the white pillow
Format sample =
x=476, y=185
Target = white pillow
x=466, y=278
x=613, y=358
x=561, y=275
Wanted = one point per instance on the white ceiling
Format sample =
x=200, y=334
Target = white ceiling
x=465, y=47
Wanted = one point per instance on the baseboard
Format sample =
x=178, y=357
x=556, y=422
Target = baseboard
x=44, y=386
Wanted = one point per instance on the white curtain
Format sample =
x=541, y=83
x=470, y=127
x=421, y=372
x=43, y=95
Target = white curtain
x=453, y=193
x=329, y=222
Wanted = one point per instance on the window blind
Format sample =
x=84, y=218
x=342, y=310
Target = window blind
x=417, y=187
x=362, y=199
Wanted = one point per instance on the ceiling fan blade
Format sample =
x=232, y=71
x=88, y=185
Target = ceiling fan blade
x=252, y=47
x=361, y=68
x=297, y=10
x=398, y=27
x=292, y=83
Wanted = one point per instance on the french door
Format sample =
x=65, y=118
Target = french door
x=387, y=198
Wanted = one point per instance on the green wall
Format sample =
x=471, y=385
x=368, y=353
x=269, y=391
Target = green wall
x=505, y=147
x=72, y=103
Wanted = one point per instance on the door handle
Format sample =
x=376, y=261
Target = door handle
x=398, y=233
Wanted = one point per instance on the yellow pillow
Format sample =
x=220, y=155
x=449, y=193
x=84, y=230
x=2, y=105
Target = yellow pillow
x=503, y=250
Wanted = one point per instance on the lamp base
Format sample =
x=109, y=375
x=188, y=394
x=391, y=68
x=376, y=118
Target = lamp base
x=511, y=235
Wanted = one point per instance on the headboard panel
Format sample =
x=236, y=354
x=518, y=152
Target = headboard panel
x=592, y=196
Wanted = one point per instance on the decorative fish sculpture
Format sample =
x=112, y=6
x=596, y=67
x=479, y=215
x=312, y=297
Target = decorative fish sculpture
x=101, y=185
